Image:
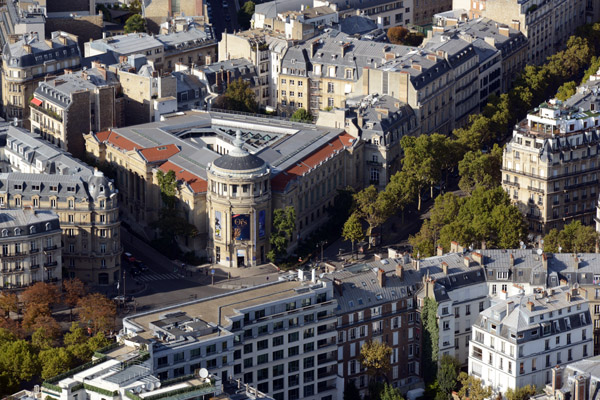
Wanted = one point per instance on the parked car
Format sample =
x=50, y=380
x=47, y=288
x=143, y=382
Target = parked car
x=129, y=257
x=123, y=298
x=225, y=4
x=140, y=265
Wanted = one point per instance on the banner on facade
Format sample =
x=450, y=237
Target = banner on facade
x=218, y=223
x=241, y=226
x=261, y=224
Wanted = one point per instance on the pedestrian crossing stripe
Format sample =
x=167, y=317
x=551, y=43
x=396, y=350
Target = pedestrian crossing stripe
x=157, y=277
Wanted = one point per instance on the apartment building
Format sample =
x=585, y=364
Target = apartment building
x=19, y=18
x=38, y=175
x=517, y=341
x=320, y=74
x=264, y=48
x=549, y=166
x=279, y=337
x=64, y=108
x=424, y=10
x=26, y=62
x=380, y=122
x=546, y=24
x=193, y=46
x=494, y=42
x=308, y=164
x=216, y=77
x=157, y=12
x=143, y=88
x=376, y=301
x=31, y=250
x=456, y=281
x=577, y=380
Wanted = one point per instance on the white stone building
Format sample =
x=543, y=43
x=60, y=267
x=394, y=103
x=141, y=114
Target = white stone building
x=517, y=341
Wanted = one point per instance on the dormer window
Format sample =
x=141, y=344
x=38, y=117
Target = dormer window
x=4, y=232
x=48, y=226
x=17, y=231
x=31, y=230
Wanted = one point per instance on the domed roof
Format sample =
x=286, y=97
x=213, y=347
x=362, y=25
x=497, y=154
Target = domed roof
x=98, y=185
x=238, y=158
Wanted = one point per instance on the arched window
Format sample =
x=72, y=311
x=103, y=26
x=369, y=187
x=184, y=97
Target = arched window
x=17, y=231
x=32, y=229
x=48, y=226
x=4, y=232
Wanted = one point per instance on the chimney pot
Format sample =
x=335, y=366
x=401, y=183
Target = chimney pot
x=381, y=277
x=440, y=251
x=530, y=305
x=445, y=267
x=400, y=271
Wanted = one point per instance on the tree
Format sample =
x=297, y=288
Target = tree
x=98, y=341
x=74, y=290
x=566, y=90
x=375, y=357
x=49, y=326
x=374, y=207
x=397, y=34
x=76, y=343
x=402, y=190
x=239, y=96
x=41, y=293
x=301, y=115
x=573, y=238
x=54, y=361
x=353, y=230
x=245, y=14
x=479, y=169
x=351, y=392
x=97, y=312
x=390, y=393
x=18, y=362
x=135, y=23
x=472, y=388
x=9, y=302
x=447, y=374
x=284, y=223
x=33, y=313
x=522, y=393
x=430, y=339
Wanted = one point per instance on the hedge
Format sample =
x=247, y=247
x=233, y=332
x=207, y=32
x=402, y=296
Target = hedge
x=50, y=386
x=100, y=390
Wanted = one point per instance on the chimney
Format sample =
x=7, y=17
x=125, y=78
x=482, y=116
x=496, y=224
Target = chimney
x=575, y=262
x=509, y=307
x=417, y=66
x=337, y=284
x=568, y=296
x=580, y=388
x=313, y=47
x=445, y=267
x=530, y=305
x=467, y=261
x=416, y=264
x=313, y=275
x=300, y=275
x=454, y=247
x=557, y=378
x=440, y=251
x=27, y=48
x=431, y=57
x=545, y=261
x=345, y=47
x=50, y=43
x=477, y=257
x=381, y=277
x=512, y=260
x=400, y=271
x=515, y=25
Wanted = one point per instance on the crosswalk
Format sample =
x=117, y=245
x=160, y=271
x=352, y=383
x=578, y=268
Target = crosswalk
x=156, y=277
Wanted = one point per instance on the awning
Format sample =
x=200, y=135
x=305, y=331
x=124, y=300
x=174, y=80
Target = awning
x=36, y=102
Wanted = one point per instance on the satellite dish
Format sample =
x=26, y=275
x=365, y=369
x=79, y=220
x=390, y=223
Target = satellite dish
x=521, y=243
x=156, y=385
x=203, y=373
x=138, y=389
x=540, y=252
x=150, y=386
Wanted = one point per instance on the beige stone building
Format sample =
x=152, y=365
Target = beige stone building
x=26, y=62
x=193, y=46
x=279, y=164
x=38, y=175
x=30, y=240
x=550, y=166
x=157, y=12
x=323, y=72
x=546, y=24
x=64, y=108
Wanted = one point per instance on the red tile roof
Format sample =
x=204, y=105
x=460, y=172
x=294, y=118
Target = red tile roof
x=116, y=140
x=159, y=153
x=197, y=184
x=280, y=182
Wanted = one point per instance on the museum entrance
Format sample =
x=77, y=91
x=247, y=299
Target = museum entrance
x=241, y=258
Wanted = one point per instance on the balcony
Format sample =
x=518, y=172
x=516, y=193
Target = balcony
x=51, y=264
x=533, y=189
x=12, y=271
x=327, y=373
x=49, y=113
x=35, y=266
x=511, y=183
x=325, y=343
x=374, y=163
x=327, y=359
x=50, y=248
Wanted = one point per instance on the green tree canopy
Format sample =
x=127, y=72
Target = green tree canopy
x=374, y=207
x=479, y=169
x=573, y=238
x=566, y=90
x=239, y=96
x=472, y=388
x=245, y=14
x=522, y=393
x=54, y=361
x=135, y=23
x=18, y=362
x=447, y=374
x=430, y=339
x=390, y=393
x=301, y=115
x=397, y=34
x=284, y=223
x=353, y=230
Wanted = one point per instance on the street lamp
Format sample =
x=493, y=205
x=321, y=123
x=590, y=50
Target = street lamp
x=322, y=243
